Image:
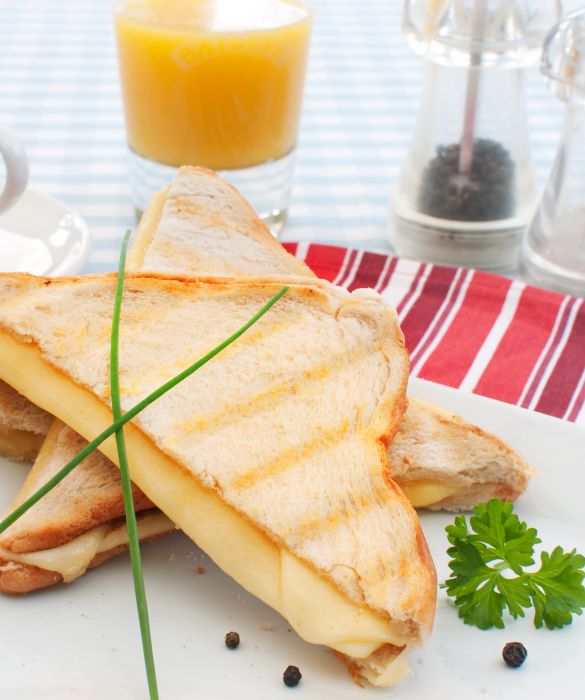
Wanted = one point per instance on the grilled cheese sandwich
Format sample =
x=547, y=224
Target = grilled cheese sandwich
x=366, y=596
x=416, y=466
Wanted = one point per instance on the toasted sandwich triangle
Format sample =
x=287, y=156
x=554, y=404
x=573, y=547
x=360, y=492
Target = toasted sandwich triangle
x=88, y=497
x=310, y=397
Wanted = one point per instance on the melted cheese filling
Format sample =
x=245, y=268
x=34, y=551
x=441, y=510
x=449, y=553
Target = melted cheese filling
x=72, y=559
x=423, y=494
x=316, y=609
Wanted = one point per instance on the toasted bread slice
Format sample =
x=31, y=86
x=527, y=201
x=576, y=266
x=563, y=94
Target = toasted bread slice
x=92, y=494
x=311, y=396
x=201, y=225
x=444, y=463
x=77, y=526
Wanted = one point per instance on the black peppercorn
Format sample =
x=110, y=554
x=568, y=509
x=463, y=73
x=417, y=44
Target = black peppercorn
x=232, y=640
x=292, y=676
x=514, y=654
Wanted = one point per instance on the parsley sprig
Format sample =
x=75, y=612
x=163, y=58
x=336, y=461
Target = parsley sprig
x=488, y=577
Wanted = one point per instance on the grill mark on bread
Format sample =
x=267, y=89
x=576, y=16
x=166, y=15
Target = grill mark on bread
x=253, y=337
x=298, y=383
x=326, y=439
x=357, y=505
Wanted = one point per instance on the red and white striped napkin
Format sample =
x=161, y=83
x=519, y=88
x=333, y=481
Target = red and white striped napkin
x=474, y=330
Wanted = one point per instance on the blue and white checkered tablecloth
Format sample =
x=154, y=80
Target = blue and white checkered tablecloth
x=59, y=92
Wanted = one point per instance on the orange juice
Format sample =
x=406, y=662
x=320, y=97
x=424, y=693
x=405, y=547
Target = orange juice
x=212, y=82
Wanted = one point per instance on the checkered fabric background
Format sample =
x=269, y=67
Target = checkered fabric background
x=59, y=92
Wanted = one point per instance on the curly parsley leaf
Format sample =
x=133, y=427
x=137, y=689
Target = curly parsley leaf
x=488, y=558
x=557, y=589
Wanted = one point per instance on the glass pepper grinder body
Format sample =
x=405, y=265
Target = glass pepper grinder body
x=553, y=250
x=467, y=189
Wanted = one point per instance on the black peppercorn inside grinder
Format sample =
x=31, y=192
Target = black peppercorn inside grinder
x=467, y=190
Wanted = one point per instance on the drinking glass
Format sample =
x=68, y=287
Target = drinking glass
x=214, y=83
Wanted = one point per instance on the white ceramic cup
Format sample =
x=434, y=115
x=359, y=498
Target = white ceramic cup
x=16, y=162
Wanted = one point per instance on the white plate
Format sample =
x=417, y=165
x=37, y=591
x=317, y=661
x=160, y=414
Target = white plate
x=43, y=236
x=81, y=641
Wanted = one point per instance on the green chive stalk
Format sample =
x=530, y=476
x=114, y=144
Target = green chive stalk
x=133, y=540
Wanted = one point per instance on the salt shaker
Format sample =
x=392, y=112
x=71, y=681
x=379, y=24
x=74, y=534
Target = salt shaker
x=467, y=190
x=553, y=250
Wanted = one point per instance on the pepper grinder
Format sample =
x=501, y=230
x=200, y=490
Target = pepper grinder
x=553, y=250
x=467, y=190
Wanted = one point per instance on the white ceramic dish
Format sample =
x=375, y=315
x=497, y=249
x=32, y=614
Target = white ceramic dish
x=82, y=641
x=43, y=236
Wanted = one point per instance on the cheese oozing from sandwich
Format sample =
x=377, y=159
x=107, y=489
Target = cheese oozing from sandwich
x=423, y=494
x=72, y=559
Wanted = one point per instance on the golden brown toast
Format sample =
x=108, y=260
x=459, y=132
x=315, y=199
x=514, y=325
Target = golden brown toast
x=321, y=379
x=426, y=453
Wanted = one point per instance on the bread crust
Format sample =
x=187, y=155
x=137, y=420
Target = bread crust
x=362, y=327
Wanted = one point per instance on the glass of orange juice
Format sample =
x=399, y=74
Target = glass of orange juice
x=217, y=83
